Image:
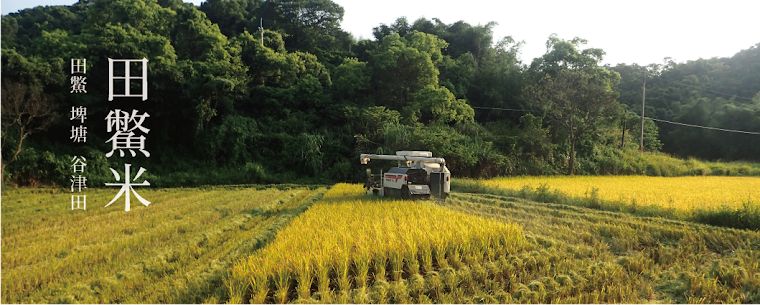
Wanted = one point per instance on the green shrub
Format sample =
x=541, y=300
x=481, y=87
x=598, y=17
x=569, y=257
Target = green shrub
x=254, y=173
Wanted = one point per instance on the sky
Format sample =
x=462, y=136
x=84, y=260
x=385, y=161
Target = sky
x=641, y=32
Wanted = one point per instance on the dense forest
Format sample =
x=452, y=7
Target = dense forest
x=227, y=107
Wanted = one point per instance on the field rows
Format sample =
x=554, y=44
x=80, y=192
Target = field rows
x=349, y=241
x=343, y=251
x=307, y=244
x=174, y=251
x=583, y=255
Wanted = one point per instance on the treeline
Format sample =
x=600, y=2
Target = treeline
x=717, y=92
x=227, y=107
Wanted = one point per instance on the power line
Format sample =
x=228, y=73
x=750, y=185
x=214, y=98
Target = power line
x=715, y=92
x=705, y=127
x=653, y=119
x=503, y=109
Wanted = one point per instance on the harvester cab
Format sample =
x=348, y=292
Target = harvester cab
x=417, y=176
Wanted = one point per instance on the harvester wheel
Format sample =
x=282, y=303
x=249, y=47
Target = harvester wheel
x=405, y=193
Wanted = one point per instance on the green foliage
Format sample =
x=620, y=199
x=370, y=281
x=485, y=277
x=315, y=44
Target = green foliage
x=573, y=91
x=631, y=123
x=144, y=15
x=255, y=173
x=314, y=26
x=400, y=70
x=265, y=63
x=232, y=17
x=746, y=217
x=351, y=80
x=40, y=168
x=58, y=42
x=428, y=44
x=311, y=151
x=536, y=148
x=564, y=54
x=438, y=105
x=716, y=92
x=9, y=30
x=376, y=117
x=35, y=72
x=229, y=142
x=457, y=74
x=220, y=99
x=342, y=171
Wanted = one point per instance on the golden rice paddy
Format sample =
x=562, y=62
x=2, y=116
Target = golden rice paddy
x=681, y=193
x=350, y=241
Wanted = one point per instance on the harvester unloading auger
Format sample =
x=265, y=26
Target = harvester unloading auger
x=418, y=175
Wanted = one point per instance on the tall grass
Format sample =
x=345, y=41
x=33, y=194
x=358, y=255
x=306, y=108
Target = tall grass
x=611, y=161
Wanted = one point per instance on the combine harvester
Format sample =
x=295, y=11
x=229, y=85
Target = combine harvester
x=417, y=176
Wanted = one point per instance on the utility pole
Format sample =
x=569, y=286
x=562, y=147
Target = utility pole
x=643, y=101
x=261, y=29
x=625, y=125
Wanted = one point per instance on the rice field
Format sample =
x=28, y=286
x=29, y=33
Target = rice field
x=176, y=250
x=350, y=241
x=581, y=255
x=680, y=193
x=482, y=248
x=308, y=244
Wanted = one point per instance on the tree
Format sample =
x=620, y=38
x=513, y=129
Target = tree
x=472, y=67
x=24, y=112
x=631, y=131
x=20, y=29
x=438, y=105
x=400, y=27
x=499, y=82
x=351, y=80
x=573, y=91
x=400, y=70
x=9, y=29
x=464, y=38
x=312, y=26
x=577, y=101
x=563, y=54
x=232, y=16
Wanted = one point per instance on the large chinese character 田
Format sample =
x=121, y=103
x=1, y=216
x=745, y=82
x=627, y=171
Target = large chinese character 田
x=78, y=65
x=79, y=199
x=128, y=78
